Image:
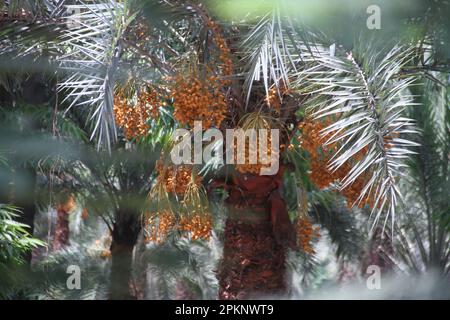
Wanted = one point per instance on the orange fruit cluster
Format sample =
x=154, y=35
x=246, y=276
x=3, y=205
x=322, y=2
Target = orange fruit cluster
x=320, y=175
x=133, y=119
x=68, y=205
x=353, y=191
x=195, y=99
x=306, y=233
x=256, y=167
x=275, y=96
x=175, y=178
x=194, y=220
x=150, y=101
x=159, y=226
x=273, y=99
x=202, y=98
x=387, y=140
x=198, y=225
x=224, y=51
x=256, y=121
x=312, y=141
x=160, y=219
x=85, y=214
x=105, y=254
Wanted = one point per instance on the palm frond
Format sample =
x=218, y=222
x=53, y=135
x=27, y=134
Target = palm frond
x=367, y=94
x=342, y=226
x=193, y=262
x=92, y=59
x=306, y=271
x=429, y=168
x=425, y=228
x=270, y=52
x=30, y=27
x=50, y=278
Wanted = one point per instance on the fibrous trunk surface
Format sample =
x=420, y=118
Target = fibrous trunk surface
x=257, y=234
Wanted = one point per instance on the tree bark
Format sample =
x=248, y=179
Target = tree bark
x=122, y=257
x=257, y=235
x=253, y=263
x=124, y=237
x=62, y=230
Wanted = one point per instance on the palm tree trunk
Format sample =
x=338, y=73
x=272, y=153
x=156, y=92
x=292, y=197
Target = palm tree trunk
x=124, y=237
x=253, y=262
x=62, y=230
x=122, y=257
x=257, y=234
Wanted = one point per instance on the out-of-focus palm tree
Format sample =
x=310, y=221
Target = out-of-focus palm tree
x=423, y=234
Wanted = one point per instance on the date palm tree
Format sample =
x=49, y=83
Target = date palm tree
x=271, y=67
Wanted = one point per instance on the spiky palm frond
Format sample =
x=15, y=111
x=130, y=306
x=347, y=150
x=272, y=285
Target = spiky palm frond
x=342, y=226
x=271, y=52
x=367, y=94
x=429, y=168
x=30, y=27
x=37, y=7
x=191, y=262
x=93, y=53
x=88, y=248
x=49, y=281
x=306, y=271
x=423, y=236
